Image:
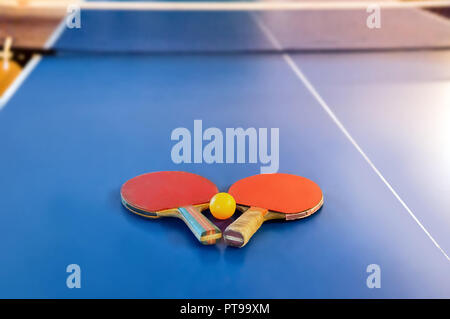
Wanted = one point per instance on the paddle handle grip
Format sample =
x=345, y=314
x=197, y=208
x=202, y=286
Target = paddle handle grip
x=205, y=231
x=242, y=229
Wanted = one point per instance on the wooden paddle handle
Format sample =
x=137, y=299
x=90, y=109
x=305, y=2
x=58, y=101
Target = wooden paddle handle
x=242, y=229
x=205, y=231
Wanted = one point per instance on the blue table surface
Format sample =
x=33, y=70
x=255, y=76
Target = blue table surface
x=81, y=125
x=125, y=31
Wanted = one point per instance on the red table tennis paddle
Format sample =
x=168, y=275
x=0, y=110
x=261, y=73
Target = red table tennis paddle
x=270, y=196
x=173, y=194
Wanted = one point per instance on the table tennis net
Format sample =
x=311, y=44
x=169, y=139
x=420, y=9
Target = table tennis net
x=233, y=27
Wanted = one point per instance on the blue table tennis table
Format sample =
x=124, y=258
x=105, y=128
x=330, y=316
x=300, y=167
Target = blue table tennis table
x=371, y=128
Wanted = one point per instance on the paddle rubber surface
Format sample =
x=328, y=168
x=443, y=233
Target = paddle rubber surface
x=158, y=191
x=284, y=193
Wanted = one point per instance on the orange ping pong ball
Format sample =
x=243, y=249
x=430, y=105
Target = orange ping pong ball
x=222, y=205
